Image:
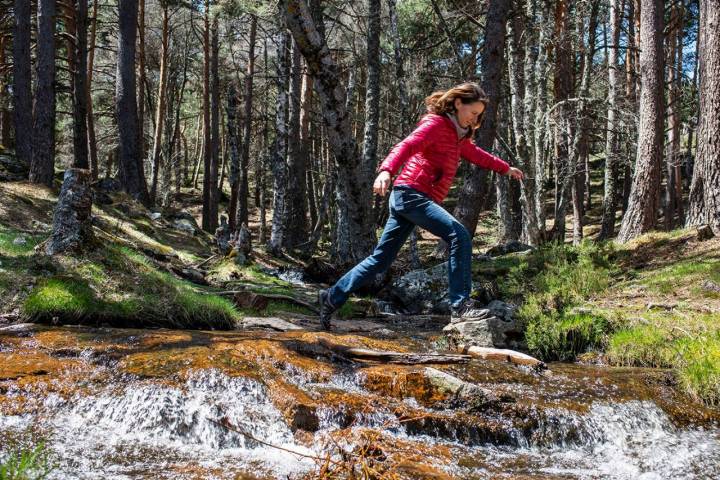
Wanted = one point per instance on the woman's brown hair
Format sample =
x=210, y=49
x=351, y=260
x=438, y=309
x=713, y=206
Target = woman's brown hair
x=443, y=101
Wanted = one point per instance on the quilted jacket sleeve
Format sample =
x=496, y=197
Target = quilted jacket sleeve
x=416, y=142
x=474, y=154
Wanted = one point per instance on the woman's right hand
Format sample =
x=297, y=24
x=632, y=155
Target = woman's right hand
x=382, y=183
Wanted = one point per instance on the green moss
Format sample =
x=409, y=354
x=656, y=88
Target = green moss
x=123, y=287
x=9, y=248
x=72, y=297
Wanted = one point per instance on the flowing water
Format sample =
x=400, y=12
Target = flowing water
x=125, y=404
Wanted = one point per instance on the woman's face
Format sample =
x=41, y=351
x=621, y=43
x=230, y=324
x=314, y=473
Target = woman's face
x=468, y=113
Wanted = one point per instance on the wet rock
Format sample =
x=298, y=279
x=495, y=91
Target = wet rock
x=273, y=323
x=154, y=216
x=72, y=226
x=429, y=386
x=20, y=240
x=299, y=410
x=501, y=329
x=511, y=247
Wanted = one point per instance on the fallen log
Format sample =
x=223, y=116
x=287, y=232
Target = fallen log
x=272, y=296
x=394, y=357
x=503, y=355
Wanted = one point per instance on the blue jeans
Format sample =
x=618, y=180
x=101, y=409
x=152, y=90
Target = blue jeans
x=409, y=207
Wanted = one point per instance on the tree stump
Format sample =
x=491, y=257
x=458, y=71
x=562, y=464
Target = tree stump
x=72, y=228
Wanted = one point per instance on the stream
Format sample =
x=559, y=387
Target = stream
x=142, y=404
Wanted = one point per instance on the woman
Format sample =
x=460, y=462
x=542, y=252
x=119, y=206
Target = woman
x=431, y=155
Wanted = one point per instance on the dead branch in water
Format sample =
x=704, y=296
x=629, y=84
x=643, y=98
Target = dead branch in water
x=504, y=355
x=394, y=357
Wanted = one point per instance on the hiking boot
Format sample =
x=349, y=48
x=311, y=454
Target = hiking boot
x=326, y=309
x=468, y=310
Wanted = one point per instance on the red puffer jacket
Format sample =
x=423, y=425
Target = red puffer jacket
x=431, y=156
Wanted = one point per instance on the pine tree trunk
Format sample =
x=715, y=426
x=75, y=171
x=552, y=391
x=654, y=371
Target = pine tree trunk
x=705, y=187
x=353, y=242
x=612, y=143
x=42, y=168
x=215, y=125
x=641, y=215
x=141, y=82
x=79, y=87
x=563, y=89
x=245, y=162
x=476, y=185
x=296, y=213
x=521, y=88
x=92, y=141
x=132, y=175
x=161, y=102
x=209, y=210
x=233, y=147
x=278, y=163
x=22, y=90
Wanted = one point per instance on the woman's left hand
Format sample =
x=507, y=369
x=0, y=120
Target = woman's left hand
x=515, y=173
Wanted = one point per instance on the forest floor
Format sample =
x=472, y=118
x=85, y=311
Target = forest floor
x=653, y=302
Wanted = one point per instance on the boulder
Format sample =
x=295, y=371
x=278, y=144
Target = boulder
x=185, y=225
x=512, y=246
x=501, y=329
x=107, y=185
x=12, y=169
x=426, y=291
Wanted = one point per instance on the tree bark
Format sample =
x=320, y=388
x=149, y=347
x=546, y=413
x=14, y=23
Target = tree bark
x=296, y=213
x=644, y=197
x=705, y=187
x=209, y=210
x=563, y=89
x=278, y=163
x=92, y=141
x=353, y=242
x=245, y=162
x=42, y=168
x=522, y=88
x=22, y=90
x=72, y=226
x=79, y=87
x=476, y=185
x=609, y=204
x=132, y=175
x=161, y=102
